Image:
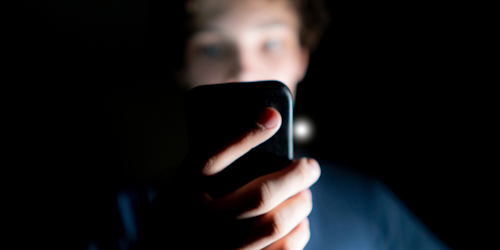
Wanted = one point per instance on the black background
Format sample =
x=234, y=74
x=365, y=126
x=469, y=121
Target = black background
x=394, y=90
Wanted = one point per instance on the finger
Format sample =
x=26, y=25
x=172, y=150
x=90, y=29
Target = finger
x=266, y=192
x=279, y=222
x=266, y=126
x=296, y=239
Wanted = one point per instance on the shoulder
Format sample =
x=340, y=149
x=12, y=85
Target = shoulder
x=353, y=210
x=342, y=199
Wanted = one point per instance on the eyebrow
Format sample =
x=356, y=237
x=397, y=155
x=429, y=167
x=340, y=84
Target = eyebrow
x=264, y=25
x=270, y=25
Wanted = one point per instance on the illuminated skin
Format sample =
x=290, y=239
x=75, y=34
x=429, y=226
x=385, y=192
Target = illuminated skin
x=239, y=41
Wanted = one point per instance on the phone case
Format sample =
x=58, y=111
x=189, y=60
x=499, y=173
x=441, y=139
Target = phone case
x=219, y=113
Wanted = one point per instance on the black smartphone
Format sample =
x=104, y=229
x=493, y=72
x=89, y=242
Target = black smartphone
x=217, y=114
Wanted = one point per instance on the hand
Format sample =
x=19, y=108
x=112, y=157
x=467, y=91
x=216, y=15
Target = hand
x=269, y=212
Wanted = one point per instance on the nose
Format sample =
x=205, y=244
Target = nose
x=245, y=67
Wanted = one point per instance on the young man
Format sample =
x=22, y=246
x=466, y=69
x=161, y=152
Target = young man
x=237, y=41
x=252, y=40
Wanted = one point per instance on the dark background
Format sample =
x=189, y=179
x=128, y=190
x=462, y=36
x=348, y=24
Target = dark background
x=393, y=90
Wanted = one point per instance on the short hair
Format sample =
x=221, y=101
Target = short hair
x=169, y=23
x=314, y=19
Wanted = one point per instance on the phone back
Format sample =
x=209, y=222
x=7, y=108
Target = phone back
x=220, y=113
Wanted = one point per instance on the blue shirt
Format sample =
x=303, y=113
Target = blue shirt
x=350, y=211
x=353, y=211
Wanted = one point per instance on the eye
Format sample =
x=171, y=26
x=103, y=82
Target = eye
x=272, y=45
x=212, y=50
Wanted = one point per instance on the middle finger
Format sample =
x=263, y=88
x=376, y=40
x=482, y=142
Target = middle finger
x=267, y=192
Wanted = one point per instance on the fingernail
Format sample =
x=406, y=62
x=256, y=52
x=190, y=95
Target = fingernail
x=267, y=119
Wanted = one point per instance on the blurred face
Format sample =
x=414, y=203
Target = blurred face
x=245, y=40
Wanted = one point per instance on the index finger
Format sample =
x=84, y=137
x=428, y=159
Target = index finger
x=267, y=124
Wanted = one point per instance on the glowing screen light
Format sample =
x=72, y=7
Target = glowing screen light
x=303, y=131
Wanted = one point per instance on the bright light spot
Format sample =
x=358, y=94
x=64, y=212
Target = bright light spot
x=303, y=130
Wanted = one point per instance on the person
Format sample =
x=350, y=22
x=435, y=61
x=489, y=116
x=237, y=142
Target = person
x=303, y=206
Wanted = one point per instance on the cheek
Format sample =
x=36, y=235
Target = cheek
x=284, y=68
x=287, y=70
x=205, y=73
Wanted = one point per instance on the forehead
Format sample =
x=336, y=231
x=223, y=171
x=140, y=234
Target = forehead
x=236, y=15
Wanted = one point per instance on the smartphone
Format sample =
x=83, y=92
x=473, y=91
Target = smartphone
x=217, y=114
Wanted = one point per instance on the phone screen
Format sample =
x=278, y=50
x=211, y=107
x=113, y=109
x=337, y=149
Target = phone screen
x=219, y=113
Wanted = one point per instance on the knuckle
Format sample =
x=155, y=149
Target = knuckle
x=252, y=133
x=307, y=233
x=259, y=127
x=276, y=226
x=288, y=245
x=309, y=207
x=265, y=198
x=210, y=163
x=303, y=170
x=248, y=136
x=307, y=203
x=304, y=235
